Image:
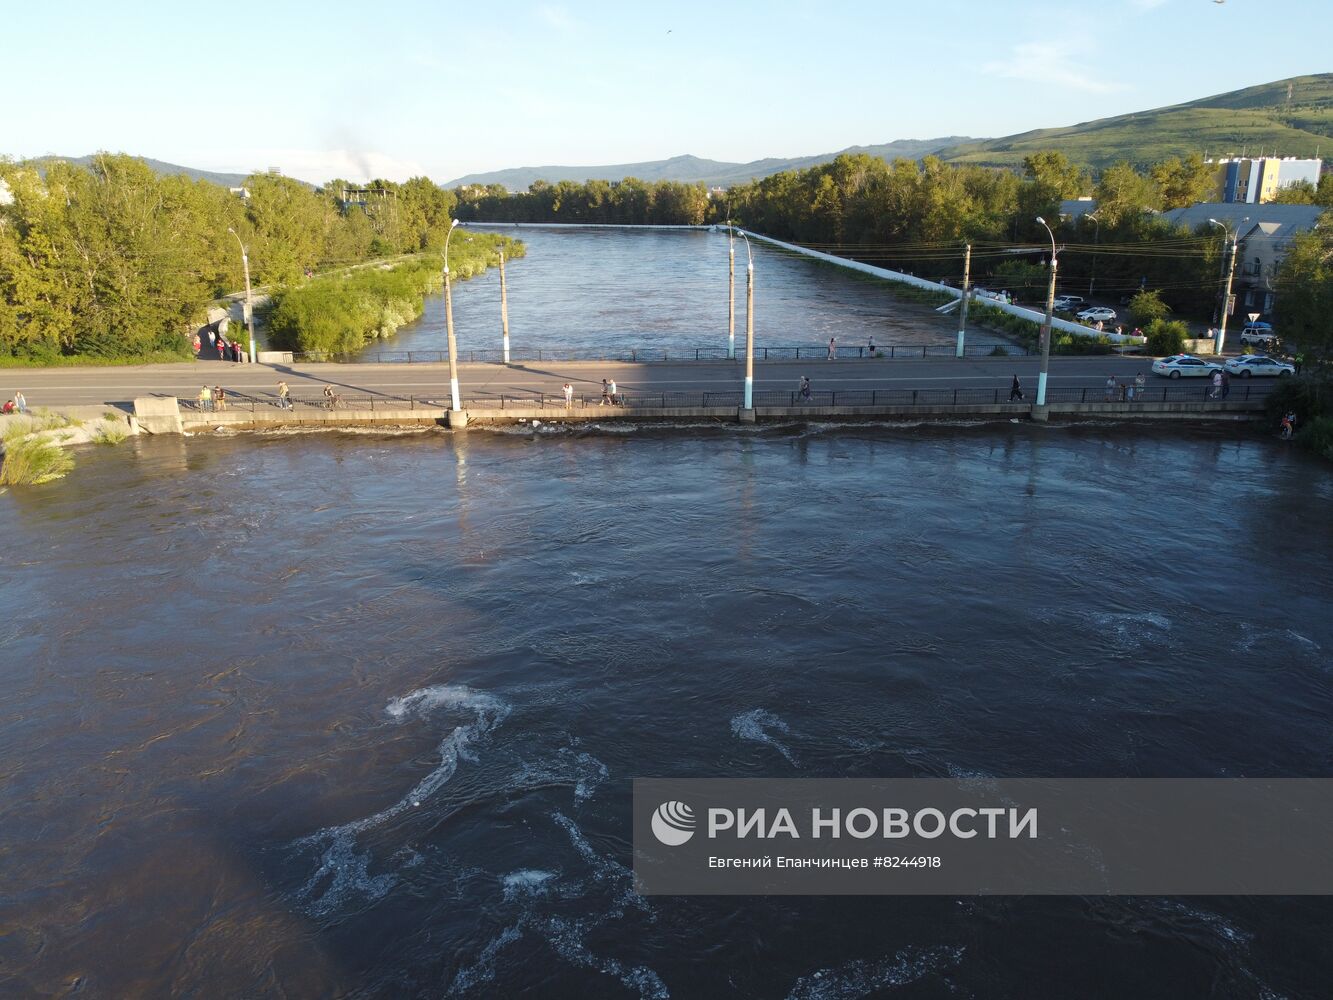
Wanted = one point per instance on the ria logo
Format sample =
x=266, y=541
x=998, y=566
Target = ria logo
x=673, y=823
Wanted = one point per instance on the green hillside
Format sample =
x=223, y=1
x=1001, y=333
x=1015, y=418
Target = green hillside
x=1293, y=117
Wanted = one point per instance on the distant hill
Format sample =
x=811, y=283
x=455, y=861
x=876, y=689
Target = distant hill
x=158, y=167
x=1292, y=117
x=693, y=169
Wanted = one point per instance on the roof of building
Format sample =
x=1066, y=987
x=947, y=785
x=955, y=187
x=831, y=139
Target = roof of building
x=1271, y=219
x=1077, y=208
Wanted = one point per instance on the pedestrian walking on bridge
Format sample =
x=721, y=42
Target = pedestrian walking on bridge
x=832, y=349
x=568, y=389
x=284, y=396
x=1016, y=391
x=804, y=389
x=20, y=401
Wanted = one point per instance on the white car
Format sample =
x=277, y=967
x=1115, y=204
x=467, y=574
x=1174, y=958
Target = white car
x=1103, y=314
x=1258, y=364
x=1258, y=336
x=1183, y=365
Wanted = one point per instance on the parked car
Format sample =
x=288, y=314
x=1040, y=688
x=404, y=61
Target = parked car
x=1097, y=314
x=1068, y=303
x=1258, y=335
x=1258, y=364
x=1183, y=365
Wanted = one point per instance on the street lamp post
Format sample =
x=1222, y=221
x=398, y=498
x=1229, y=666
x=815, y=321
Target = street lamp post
x=1226, y=292
x=249, y=303
x=457, y=405
x=1096, y=243
x=731, y=293
x=504, y=307
x=749, y=324
x=1046, y=327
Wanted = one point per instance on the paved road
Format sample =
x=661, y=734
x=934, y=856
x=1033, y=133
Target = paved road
x=70, y=386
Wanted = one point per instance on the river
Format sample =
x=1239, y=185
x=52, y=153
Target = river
x=339, y=714
x=604, y=292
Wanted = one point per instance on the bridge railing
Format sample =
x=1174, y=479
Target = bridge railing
x=799, y=352
x=730, y=398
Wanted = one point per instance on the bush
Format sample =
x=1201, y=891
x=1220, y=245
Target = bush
x=110, y=432
x=1146, y=308
x=1318, y=436
x=31, y=461
x=1310, y=397
x=1166, y=336
x=339, y=314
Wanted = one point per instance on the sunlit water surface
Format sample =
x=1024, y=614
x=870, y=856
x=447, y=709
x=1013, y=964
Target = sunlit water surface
x=604, y=292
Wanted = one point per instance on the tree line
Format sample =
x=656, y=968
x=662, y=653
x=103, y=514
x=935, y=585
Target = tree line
x=114, y=261
x=917, y=217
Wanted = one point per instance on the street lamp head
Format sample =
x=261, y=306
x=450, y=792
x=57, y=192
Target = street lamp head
x=1041, y=220
x=454, y=223
x=1216, y=223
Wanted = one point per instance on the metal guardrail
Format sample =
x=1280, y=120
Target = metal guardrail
x=644, y=354
x=634, y=399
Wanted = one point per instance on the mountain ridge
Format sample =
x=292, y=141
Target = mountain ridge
x=1293, y=116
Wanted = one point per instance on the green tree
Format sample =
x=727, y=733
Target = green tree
x=1181, y=183
x=1304, y=301
x=1300, y=193
x=1124, y=193
x=1146, y=308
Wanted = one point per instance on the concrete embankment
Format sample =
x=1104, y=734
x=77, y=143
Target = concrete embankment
x=157, y=419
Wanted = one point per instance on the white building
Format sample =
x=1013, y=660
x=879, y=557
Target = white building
x=1255, y=180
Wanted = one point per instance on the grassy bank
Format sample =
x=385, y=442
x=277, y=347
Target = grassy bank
x=51, y=360
x=31, y=461
x=342, y=313
x=34, y=446
x=1028, y=333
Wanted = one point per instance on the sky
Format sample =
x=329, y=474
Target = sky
x=444, y=89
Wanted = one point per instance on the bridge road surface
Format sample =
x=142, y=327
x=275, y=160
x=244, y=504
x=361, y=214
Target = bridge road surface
x=480, y=381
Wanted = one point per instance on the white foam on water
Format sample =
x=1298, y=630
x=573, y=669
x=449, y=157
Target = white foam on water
x=863, y=977
x=576, y=767
x=1252, y=635
x=754, y=726
x=1231, y=942
x=343, y=871
x=483, y=969
x=566, y=938
x=605, y=870
x=1132, y=630
x=526, y=882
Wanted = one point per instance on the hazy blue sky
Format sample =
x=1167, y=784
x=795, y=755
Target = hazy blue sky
x=446, y=88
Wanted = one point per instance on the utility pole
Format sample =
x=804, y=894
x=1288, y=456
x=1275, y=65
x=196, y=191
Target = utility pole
x=1046, y=327
x=1096, y=245
x=962, y=305
x=1226, y=300
x=249, y=302
x=731, y=293
x=504, y=308
x=1230, y=266
x=749, y=326
x=457, y=404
